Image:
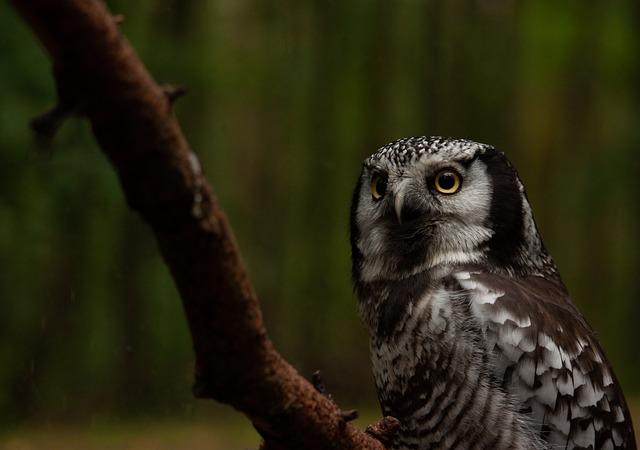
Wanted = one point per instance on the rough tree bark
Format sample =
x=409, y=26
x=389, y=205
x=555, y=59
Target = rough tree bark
x=99, y=76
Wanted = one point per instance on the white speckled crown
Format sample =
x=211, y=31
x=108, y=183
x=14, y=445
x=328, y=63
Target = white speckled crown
x=406, y=150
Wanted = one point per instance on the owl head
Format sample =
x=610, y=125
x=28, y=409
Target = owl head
x=427, y=202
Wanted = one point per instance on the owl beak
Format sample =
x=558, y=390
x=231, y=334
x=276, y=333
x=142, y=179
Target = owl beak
x=398, y=201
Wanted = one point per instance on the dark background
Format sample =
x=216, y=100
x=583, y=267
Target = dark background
x=285, y=99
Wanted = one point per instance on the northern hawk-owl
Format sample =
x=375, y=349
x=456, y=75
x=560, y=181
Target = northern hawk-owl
x=475, y=342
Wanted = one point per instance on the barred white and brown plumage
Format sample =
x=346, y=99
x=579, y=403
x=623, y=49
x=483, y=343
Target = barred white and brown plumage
x=475, y=342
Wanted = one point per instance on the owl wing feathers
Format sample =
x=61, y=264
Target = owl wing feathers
x=547, y=358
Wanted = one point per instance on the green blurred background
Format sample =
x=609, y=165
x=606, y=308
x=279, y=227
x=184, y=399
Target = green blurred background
x=285, y=99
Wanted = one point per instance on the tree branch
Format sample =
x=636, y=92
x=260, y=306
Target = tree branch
x=98, y=75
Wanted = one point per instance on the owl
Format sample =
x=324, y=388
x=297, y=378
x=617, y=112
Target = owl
x=474, y=340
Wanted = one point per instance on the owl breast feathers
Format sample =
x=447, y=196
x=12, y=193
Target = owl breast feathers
x=475, y=342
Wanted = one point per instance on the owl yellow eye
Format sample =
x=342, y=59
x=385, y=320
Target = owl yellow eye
x=378, y=186
x=448, y=181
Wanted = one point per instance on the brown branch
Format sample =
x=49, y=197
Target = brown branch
x=99, y=76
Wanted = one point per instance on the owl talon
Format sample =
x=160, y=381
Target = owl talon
x=384, y=430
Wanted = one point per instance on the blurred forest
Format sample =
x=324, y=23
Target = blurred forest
x=285, y=99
